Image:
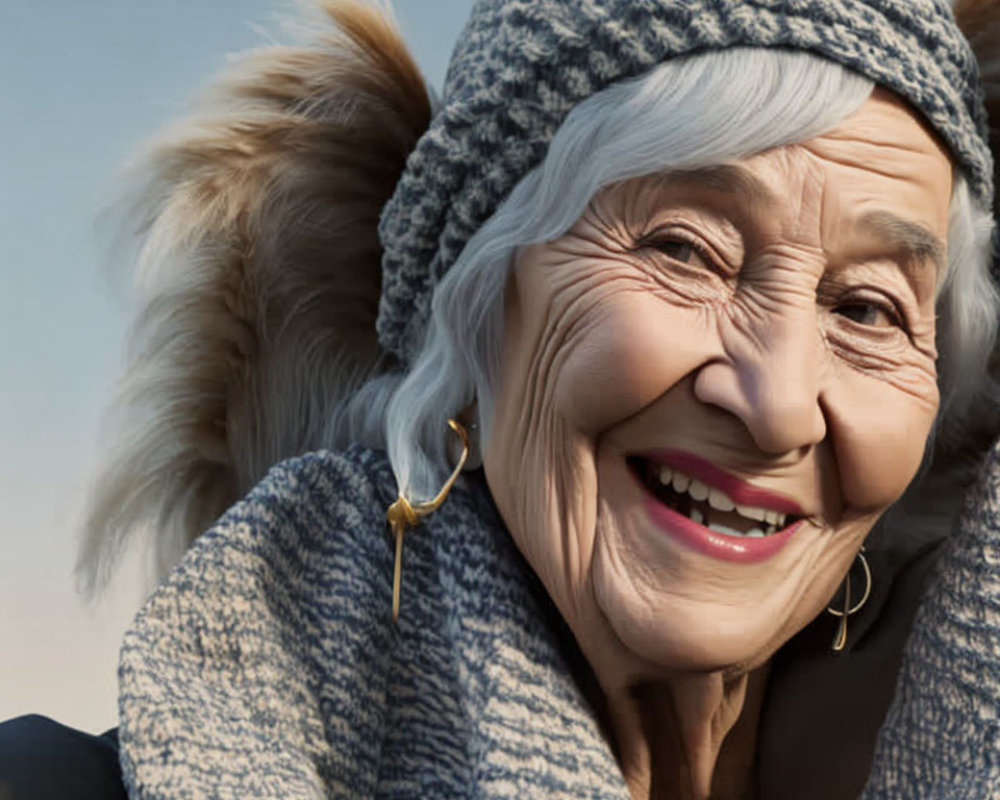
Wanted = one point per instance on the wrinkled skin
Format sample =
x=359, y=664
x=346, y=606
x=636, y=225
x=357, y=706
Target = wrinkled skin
x=764, y=317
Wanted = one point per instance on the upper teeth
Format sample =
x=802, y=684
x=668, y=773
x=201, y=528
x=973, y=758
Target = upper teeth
x=717, y=498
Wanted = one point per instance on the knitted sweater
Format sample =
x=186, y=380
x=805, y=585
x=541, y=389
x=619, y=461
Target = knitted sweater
x=267, y=665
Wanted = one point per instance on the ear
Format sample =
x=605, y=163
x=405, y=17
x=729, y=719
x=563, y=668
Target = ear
x=258, y=268
x=979, y=20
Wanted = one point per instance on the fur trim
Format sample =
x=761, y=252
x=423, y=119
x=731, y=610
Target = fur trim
x=258, y=275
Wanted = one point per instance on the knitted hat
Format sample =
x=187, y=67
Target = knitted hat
x=521, y=65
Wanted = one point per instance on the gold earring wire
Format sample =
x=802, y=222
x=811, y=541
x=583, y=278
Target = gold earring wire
x=403, y=515
x=840, y=639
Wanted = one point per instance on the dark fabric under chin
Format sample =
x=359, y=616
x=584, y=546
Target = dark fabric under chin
x=41, y=759
x=823, y=710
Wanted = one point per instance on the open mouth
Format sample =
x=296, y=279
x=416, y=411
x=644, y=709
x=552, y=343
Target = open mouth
x=706, y=505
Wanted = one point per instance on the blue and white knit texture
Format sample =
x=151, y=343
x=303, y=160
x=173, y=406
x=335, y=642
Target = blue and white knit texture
x=941, y=738
x=521, y=65
x=267, y=665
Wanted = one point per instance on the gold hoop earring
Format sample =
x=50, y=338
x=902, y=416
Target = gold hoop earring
x=403, y=515
x=840, y=639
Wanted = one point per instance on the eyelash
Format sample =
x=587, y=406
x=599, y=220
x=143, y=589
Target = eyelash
x=658, y=239
x=887, y=306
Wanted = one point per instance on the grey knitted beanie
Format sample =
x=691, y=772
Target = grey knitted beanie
x=521, y=65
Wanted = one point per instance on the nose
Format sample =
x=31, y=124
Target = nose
x=769, y=377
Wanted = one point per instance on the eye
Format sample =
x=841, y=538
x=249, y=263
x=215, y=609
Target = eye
x=869, y=314
x=679, y=248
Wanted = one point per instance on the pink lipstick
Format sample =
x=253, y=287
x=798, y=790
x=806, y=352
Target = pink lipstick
x=691, y=533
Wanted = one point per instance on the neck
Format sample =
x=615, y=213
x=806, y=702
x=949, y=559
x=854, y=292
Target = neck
x=688, y=737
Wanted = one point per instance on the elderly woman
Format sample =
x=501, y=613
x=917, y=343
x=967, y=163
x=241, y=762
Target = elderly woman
x=675, y=301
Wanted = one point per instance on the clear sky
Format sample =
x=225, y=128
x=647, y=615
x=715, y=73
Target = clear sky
x=83, y=84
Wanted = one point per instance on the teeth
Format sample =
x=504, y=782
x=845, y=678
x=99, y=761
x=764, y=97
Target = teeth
x=751, y=512
x=753, y=533
x=714, y=526
x=717, y=499
x=720, y=500
x=775, y=518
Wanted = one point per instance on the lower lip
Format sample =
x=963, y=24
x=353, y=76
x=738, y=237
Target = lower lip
x=717, y=545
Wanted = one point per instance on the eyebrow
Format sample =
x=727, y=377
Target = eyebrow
x=916, y=243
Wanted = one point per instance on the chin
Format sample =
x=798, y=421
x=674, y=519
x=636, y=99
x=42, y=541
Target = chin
x=687, y=636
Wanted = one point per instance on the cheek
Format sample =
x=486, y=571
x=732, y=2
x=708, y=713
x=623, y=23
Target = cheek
x=879, y=434
x=573, y=368
x=634, y=348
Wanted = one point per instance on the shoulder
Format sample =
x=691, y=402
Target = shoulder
x=311, y=534
x=305, y=506
x=321, y=487
x=982, y=505
x=941, y=730
x=258, y=638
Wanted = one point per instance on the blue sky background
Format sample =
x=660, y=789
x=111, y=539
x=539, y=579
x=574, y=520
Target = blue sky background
x=84, y=84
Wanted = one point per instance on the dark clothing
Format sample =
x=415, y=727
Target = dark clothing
x=43, y=760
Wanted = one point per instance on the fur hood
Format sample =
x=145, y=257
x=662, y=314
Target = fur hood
x=252, y=227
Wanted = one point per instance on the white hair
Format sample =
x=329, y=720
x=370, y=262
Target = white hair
x=688, y=113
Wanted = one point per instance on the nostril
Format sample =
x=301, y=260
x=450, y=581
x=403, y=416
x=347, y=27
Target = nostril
x=783, y=431
x=779, y=407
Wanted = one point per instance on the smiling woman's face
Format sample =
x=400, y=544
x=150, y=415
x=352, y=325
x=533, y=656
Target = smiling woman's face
x=761, y=333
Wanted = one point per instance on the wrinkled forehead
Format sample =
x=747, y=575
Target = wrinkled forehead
x=881, y=160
